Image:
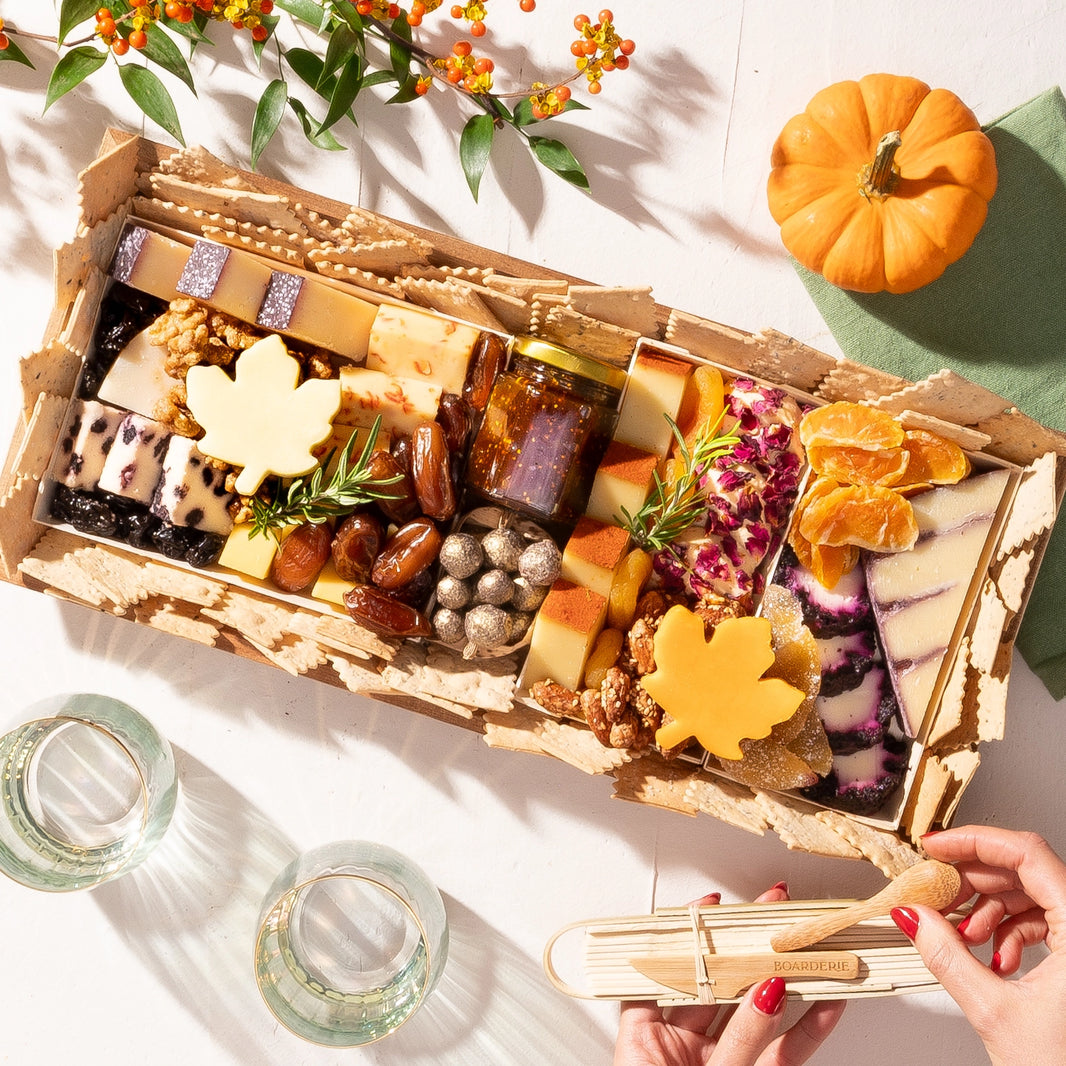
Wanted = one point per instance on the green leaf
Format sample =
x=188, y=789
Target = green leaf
x=151, y=96
x=162, y=51
x=399, y=56
x=308, y=11
x=305, y=64
x=341, y=48
x=346, y=12
x=73, y=13
x=379, y=77
x=194, y=31
x=558, y=158
x=268, y=114
x=71, y=70
x=349, y=82
x=270, y=22
x=406, y=92
x=320, y=139
x=475, y=143
x=15, y=54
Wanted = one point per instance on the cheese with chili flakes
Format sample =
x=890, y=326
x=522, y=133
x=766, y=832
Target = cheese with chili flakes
x=401, y=402
x=408, y=343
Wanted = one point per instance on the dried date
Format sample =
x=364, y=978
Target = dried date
x=431, y=471
x=453, y=416
x=383, y=614
x=301, y=556
x=356, y=544
x=486, y=362
x=398, y=502
x=408, y=552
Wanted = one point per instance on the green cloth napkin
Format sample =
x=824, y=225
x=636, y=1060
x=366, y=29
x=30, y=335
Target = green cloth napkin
x=998, y=317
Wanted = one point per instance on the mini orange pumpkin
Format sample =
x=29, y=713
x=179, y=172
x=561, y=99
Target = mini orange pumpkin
x=881, y=183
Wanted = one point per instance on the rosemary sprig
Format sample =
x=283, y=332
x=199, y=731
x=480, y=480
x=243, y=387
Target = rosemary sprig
x=313, y=499
x=671, y=509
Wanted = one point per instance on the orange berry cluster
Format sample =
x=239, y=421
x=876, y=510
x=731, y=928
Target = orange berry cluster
x=418, y=11
x=107, y=30
x=4, y=39
x=599, y=48
x=178, y=11
x=470, y=72
x=474, y=13
x=378, y=9
x=547, y=101
x=240, y=14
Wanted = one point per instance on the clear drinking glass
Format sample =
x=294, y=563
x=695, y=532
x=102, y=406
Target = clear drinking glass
x=87, y=788
x=352, y=939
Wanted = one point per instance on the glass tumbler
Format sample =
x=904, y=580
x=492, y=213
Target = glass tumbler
x=87, y=789
x=352, y=939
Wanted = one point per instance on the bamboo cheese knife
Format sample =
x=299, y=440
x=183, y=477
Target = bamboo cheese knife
x=729, y=975
x=934, y=884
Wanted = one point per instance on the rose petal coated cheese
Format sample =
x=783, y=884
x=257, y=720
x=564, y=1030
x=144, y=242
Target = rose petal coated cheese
x=401, y=402
x=134, y=464
x=150, y=262
x=315, y=312
x=656, y=385
x=225, y=278
x=408, y=343
x=138, y=379
x=82, y=451
x=192, y=492
x=566, y=626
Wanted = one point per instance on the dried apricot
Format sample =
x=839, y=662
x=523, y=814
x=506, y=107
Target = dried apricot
x=859, y=466
x=702, y=403
x=866, y=516
x=854, y=424
x=934, y=460
x=603, y=656
x=629, y=581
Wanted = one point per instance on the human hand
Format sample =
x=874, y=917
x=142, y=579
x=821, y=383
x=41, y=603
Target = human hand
x=1020, y=885
x=743, y=1035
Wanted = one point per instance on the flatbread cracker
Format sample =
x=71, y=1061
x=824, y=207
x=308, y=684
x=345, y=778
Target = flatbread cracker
x=1020, y=439
x=379, y=257
x=92, y=246
x=355, y=676
x=77, y=334
x=946, y=395
x=1035, y=504
x=294, y=655
x=433, y=670
x=990, y=619
x=258, y=208
x=949, y=714
x=18, y=532
x=263, y=622
x=318, y=226
x=776, y=357
x=1012, y=578
x=726, y=801
x=970, y=440
x=599, y=340
x=280, y=253
x=632, y=308
x=852, y=381
x=108, y=182
x=656, y=783
x=363, y=279
x=52, y=369
x=196, y=164
x=174, y=618
x=799, y=828
x=451, y=298
x=525, y=288
x=883, y=849
x=34, y=451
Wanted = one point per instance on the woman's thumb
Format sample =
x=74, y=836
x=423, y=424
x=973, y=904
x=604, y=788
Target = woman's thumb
x=966, y=979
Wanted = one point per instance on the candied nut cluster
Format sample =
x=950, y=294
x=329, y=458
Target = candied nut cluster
x=194, y=334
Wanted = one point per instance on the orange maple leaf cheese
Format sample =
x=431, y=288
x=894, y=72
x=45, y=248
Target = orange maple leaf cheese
x=714, y=690
x=262, y=419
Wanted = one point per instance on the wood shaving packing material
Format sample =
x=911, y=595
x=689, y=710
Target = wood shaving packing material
x=174, y=619
x=971, y=440
x=631, y=308
x=257, y=208
x=1012, y=578
x=37, y=443
x=108, y=182
x=379, y=257
x=450, y=298
x=364, y=279
x=1035, y=504
x=92, y=245
x=945, y=395
x=987, y=629
x=800, y=830
x=726, y=801
x=852, y=381
x=52, y=369
x=18, y=533
x=294, y=655
x=355, y=676
x=991, y=707
x=1021, y=439
x=884, y=850
x=259, y=620
x=339, y=633
x=949, y=714
x=600, y=340
x=525, y=730
x=433, y=671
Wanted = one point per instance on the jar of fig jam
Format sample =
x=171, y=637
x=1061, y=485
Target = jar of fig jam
x=547, y=424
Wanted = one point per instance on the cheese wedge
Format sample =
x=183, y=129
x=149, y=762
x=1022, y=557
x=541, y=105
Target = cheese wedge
x=409, y=343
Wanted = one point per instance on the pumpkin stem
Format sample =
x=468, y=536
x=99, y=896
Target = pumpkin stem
x=878, y=179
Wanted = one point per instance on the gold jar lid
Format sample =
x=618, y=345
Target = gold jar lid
x=569, y=360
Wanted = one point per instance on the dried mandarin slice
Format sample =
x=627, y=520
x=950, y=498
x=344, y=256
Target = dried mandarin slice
x=819, y=487
x=867, y=516
x=702, y=403
x=830, y=564
x=934, y=460
x=859, y=466
x=846, y=423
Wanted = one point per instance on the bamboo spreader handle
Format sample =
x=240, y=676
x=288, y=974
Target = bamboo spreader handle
x=934, y=884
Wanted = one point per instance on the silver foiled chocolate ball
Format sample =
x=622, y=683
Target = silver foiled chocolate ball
x=494, y=586
x=541, y=562
x=527, y=596
x=453, y=592
x=487, y=626
x=448, y=626
x=461, y=555
x=502, y=548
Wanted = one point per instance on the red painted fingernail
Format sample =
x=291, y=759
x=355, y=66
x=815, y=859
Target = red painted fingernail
x=931, y=833
x=906, y=920
x=781, y=886
x=769, y=996
x=961, y=927
x=997, y=962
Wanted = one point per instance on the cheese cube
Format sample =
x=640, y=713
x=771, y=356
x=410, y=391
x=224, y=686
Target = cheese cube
x=314, y=311
x=225, y=278
x=82, y=450
x=340, y=440
x=247, y=554
x=401, y=402
x=330, y=586
x=192, y=492
x=410, y=343
x=138, y=379
x=134, y=464
x=566, y=626
x=622, y=480
x=656, y=385
x=150, y=262
x=593, y=554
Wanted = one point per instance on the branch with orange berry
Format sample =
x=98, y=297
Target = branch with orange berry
x=166, y=37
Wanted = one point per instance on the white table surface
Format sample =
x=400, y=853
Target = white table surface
x=156, y=967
